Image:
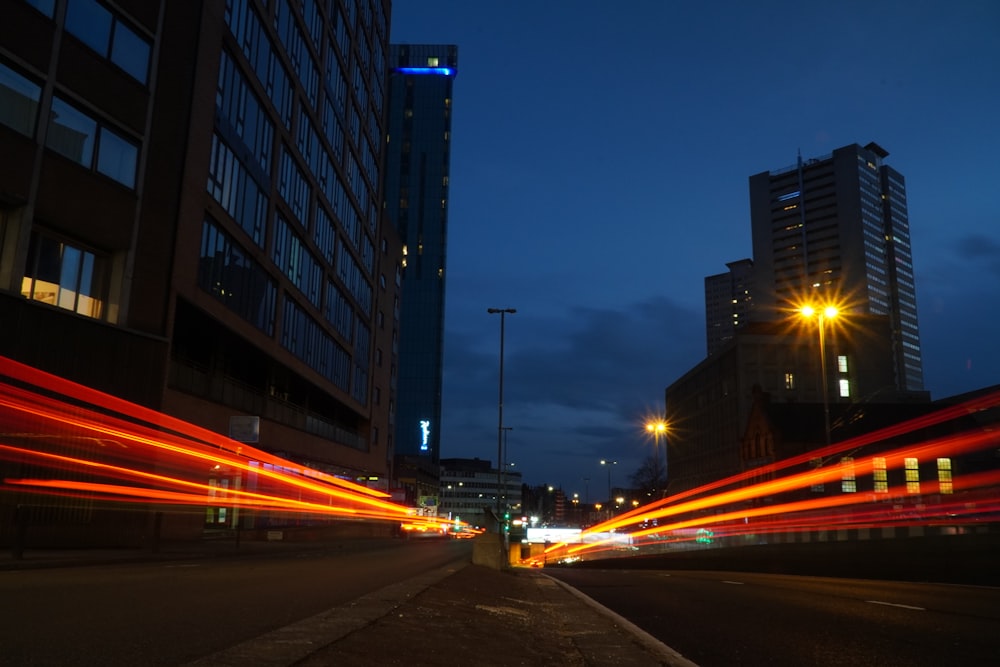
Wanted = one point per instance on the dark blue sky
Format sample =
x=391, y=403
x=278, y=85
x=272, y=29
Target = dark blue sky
x=600, y=159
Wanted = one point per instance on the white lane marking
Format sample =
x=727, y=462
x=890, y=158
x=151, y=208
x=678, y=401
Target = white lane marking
x=894, y=604
x=734, y=583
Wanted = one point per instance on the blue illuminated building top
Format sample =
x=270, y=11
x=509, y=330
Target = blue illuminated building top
x=440, y=71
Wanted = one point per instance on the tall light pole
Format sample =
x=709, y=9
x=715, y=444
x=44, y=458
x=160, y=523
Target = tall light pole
x=659, y=428
x=827, y=313
x=506, y=430
x=503, y=312
x=608, y=463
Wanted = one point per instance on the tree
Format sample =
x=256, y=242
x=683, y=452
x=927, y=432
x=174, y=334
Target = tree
x=650, y=478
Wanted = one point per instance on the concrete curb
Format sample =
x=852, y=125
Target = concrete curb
x=667, y=655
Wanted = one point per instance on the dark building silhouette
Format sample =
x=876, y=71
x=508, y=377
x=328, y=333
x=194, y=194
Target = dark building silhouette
x=417, y=199
x=829, y=230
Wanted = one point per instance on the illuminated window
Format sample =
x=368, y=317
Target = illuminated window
x=912, y=466
x=944, y=475
x=845, y=387
x=789, y=380
x=879, y=474
x=842, y=363
x=432, y=62
x=64, y=275
x=848, y=482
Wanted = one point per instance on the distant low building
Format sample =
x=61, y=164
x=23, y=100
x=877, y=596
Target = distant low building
x=469, y=491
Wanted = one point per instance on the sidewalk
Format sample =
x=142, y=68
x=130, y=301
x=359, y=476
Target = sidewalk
x=463, y=614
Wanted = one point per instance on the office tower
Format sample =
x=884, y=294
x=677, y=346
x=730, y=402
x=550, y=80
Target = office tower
x=835, y=228
x=416, y=194
x=190, y=213
x=728, y=299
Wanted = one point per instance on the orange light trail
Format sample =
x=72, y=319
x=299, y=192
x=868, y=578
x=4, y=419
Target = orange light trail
x=692, y=509
x=133, y=455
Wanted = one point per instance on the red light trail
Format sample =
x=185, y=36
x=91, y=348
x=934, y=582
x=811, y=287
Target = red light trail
x=738, y=506
x=61, y=439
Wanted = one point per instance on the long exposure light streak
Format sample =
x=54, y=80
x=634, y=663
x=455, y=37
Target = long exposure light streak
x=65, y=440
x=758, y=508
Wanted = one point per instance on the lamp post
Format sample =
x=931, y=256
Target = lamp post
x=503, y=312
x=827, y=313
x=608, y=463
x=659, y=428
x=506, y=430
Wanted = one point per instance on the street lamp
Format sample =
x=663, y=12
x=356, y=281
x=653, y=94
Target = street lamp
x=506, y=430
x=503, y=312
x=827, y=313
x=606, y=462
x=659, y=428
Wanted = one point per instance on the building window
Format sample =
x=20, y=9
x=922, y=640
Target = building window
x=879, y=475
x=98, y=28
x=912, y=466
x=229, y=274
x=789, y=380
x=848, y=482
x=44, y=6
x=845, y=388
x=64, y=275
x=944, y=476
x=18, y=101
x=79, y=137
x=842, y=363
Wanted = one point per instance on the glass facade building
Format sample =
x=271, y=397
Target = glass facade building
x=190, y=213
x=835, y=228
x=417, y=195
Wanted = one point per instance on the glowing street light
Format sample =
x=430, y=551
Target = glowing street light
x=827, y=313
x=658, y=428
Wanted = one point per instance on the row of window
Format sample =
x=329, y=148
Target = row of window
x=70, y=132
x=305, y=338
x=227, y=273
x=105, y=32
x=911, y=468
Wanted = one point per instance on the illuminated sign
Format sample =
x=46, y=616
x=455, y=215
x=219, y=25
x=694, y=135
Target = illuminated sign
x=440, y=71
x=425, y=434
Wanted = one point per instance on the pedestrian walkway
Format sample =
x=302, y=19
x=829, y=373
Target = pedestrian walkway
x=463, y=614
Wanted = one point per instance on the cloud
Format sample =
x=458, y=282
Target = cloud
x=575, y=391
x=980, y=249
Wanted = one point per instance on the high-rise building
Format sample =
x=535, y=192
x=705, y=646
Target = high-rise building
x=835, y=229
x=417, y=198
x=190, y=214
x=728, y=300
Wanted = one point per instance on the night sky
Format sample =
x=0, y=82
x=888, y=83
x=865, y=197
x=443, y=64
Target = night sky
x=600, y=163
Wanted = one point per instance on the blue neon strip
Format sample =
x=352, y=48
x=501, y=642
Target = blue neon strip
x=441, y=71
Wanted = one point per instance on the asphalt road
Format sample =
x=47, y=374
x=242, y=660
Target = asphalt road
x=170, y=613
x=721, y=619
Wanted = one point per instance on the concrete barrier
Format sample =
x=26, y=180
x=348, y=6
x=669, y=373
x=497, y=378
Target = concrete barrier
x=487, y=550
